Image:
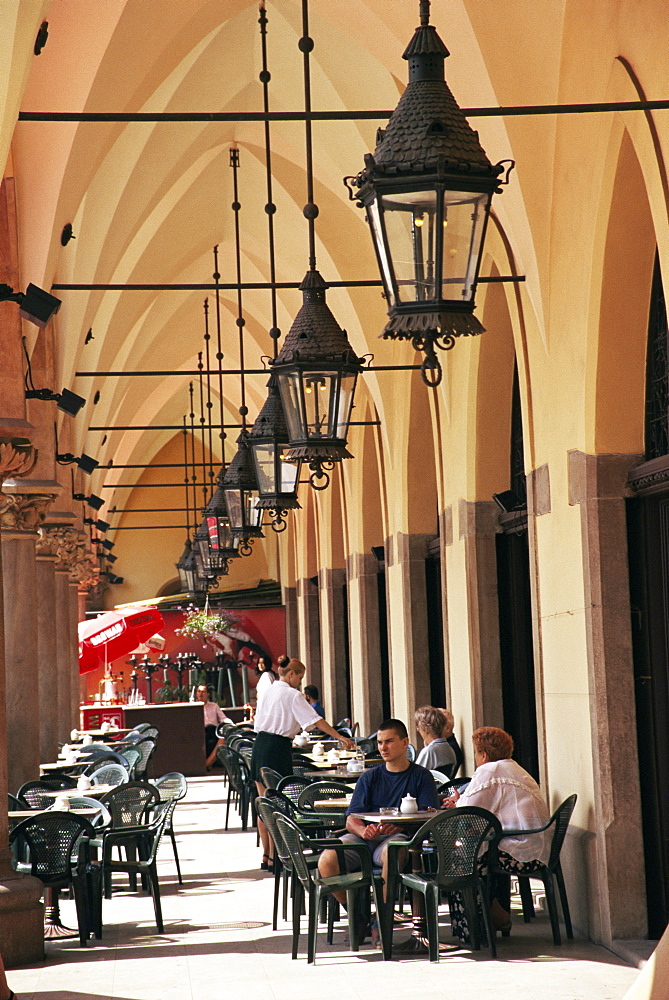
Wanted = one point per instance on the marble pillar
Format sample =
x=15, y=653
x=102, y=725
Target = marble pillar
x=365, y=641
x=21, y=910
x=72, y=634
x=63, y=665
x=292, y=635
x=334, y=642
x=47, y=650
x=22, y=656
x=407, y=624
x=478, y=527
x=598, y=484
x=309, y=630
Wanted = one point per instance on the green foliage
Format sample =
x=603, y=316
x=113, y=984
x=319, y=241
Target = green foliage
x=201, y=623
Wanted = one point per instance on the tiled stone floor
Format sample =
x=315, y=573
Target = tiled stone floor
x=218, y=942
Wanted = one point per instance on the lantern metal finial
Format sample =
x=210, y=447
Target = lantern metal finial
x=427, y=191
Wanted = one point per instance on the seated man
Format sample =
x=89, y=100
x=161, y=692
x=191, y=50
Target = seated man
x=378, y=788
x=311, y=695
x=213, y=717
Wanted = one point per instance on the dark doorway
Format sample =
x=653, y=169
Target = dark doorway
x=515, y=601
x=386, y=711
x=347, y=652
x=435, y=631
x=648, y=530
x=516, y=648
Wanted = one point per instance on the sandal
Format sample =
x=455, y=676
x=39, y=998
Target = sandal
x=267, y=863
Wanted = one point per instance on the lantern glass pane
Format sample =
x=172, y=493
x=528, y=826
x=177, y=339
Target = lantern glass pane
x=376, y=224
x=344, y=404
x=464, y=223
x=289, y=472
x=233, y=499
x=290, y=387
x=264, y=455
x=320, y=403
x=410, y=223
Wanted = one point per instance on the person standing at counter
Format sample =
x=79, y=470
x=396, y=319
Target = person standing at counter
x=281, y=713
x=266, y=677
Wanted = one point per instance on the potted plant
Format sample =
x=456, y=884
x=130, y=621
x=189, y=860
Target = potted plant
x=201, y=623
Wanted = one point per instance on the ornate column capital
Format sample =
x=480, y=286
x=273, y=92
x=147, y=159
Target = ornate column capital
x=17, y=458
x=23, y=512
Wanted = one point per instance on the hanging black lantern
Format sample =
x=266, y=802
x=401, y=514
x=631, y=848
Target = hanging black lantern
x=186, y=569
x=222, y=543
x=277, y=476
x=241, y=495
x=427, y=191
x=206, y=567
x=317, y=372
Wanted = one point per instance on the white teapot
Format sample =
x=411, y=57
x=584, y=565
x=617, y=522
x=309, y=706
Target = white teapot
x=333, y=757
x=105, y=727
x=319, y=749
x=83, y=783
x=301, y=740
x=355, y=766
x=408, y=805
x=74, y=735
x=62, y=803
x=87, y=740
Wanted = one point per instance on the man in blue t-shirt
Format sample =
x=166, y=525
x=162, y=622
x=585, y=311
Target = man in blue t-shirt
x=382, y=787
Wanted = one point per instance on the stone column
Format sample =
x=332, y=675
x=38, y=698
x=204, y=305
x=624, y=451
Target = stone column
x=407, y=624
x=309, y=630
x=365, y=640
x=478, y=527
x=21, y=912
x=597, y=483
x=74, y=564
x=292, y=634
x=20, y=516
x=334, y=642
x=47, y=648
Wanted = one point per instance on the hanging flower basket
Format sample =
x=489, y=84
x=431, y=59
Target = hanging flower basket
x=204, y=624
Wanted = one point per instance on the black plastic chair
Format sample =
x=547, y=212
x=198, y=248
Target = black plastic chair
x=130, y=805
x=310, y=885
x=172, y=788
x=310, y=795
x=13, y=803
x=109, y=757
x=34, y=794
x=456, y=836
x=293, y=785
x=240, y=786
x=148, y=837
x=53, y=840
x=109, y=773
x=560, y=821
x=146, y=746
x=269, y=777
x=131, y=755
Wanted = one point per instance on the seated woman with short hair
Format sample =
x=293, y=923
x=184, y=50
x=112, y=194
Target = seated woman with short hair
x=506, y=789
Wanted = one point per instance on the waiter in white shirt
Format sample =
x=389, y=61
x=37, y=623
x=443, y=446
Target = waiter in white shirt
x=280, y=716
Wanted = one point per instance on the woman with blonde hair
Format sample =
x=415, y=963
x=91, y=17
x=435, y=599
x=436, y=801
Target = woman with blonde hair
x=436, y=754
x=280, y=715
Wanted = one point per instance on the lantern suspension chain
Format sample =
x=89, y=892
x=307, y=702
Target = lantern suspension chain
x=209, y=404
x=310, y=210
x=270, y=207
x=185, y=434
x=219, y=357
x=203, y=433
x=241, y=322
x=240, y=483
